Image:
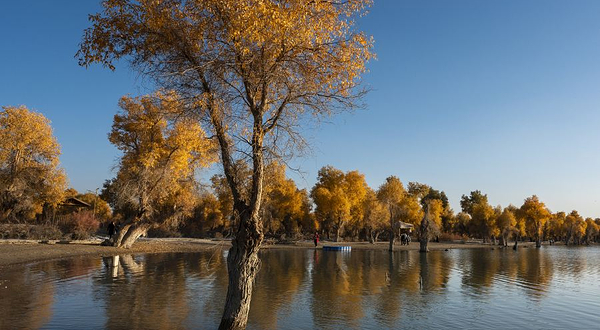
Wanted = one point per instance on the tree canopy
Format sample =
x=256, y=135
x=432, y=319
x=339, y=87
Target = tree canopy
x=30, y=176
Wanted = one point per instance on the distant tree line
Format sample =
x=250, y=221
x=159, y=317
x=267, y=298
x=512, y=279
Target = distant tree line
x=155, y=189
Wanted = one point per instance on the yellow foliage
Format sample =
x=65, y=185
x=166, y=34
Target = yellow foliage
x=483, y=219
x=435, y=209
x=285, y=206
x=29, y=172
x=339, y=196
x=535, y=215
x=506, y=222
x=161, y=152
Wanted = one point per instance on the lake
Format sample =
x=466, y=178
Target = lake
x=554, y=287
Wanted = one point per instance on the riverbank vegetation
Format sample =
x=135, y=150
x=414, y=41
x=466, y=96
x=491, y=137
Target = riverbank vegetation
x=237, y=83
x=155, y=182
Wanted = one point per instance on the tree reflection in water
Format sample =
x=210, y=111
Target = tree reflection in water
x=313, y=288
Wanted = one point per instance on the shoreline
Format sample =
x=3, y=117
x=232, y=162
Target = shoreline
x=18, y=252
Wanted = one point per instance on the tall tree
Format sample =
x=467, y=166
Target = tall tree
x=431, y=223
x=573, y=223
x=535, y=214
x=483, y=220
x=30, y=176
x=338, y=196
x=468, y=202
x=391, y=194
x=506, y=224
x=591, y=230
x=375, y=216
x=161, y=153
x=283, y=205
x=556, y=226
x=249, y=70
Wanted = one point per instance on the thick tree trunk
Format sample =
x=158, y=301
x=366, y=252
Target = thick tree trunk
x=423, y=245
x=392, y=238
x=120, y=235
x=424, y=235
x=135, y=231
x=242, y=266
x=337, y=233
x=538, y=241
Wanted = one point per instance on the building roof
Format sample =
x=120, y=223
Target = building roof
x=72, y=201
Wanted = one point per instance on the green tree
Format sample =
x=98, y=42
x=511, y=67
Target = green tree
x=468, y=202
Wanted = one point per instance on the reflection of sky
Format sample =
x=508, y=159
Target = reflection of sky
x=553, y=287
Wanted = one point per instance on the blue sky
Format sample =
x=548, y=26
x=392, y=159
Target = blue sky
x=500, y=96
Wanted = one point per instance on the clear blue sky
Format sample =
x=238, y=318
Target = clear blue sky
x=500, y=96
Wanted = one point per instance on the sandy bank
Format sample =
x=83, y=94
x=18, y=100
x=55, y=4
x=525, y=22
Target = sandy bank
x=14, y=252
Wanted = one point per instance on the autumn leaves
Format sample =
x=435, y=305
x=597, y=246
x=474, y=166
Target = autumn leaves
x=30, y=176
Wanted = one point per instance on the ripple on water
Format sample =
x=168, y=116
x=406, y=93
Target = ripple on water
x=552, y=287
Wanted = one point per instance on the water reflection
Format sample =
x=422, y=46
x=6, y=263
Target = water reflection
x=305, y=289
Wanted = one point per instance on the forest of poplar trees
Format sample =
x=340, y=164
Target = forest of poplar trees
x=159, y=168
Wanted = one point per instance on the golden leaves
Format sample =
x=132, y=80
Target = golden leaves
x=29, y=161
x=158, y=147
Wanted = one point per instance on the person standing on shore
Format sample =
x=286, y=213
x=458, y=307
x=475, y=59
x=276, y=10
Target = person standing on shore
x=111, y=229
x=316, y=239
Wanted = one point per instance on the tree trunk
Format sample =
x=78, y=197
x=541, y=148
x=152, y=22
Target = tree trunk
x=424, y=239
x=516, y=243
x=242, y=266
x=502, y=241
x=376, y=238
x=538, y=241
x=392, y=238
x=135, y=231
x=120, y=235
x=337, y=233
x=423, y=245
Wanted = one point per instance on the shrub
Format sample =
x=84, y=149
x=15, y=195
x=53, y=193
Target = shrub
x=25, y=231
x=449, y=237
x=80, y=225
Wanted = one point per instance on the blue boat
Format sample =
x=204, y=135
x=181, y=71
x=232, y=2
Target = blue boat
x=336, y=248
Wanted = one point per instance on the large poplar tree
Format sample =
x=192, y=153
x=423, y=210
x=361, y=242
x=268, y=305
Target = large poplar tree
x=250, y=71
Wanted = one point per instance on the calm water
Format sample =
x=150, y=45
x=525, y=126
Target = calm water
x=548, y=288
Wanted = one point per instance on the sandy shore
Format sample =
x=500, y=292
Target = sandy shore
x=14, y=252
